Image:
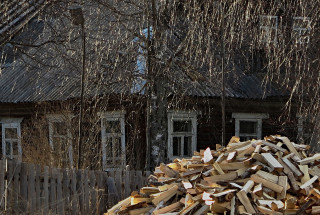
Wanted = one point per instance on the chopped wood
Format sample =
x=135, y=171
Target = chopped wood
x=225, y=177
x=275, y=187
x=270, y=176
x=258, y=190
x=273, y=163
x=218, y=168
x=310, y=182
x=305, y=170
x=231, y=156
x=166, y=195
x=293, y=181
x=274, y=146
x=292, y=167
x=290, y=146
x=310, y=159
x=283, y=181
x=168, y=209
x=242, y=196
x=268, y=211
x=315, y=210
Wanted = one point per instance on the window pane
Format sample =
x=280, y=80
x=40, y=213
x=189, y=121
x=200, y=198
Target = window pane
x=8, y=148
x=59, y=128
x=187, y=146
x=248, y=127
x=11, y=133
x=117, y=146
x=112, y=126
x=182, y=126
x=15, y=148
x=176, y=146
x=109, y=147
x=60, y=144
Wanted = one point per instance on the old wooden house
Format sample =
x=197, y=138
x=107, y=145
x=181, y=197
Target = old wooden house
x=41, y=67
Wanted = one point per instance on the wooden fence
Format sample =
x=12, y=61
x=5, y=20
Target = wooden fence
x=31, y=189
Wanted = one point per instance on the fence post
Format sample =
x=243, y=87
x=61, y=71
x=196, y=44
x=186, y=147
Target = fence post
x=2, y=184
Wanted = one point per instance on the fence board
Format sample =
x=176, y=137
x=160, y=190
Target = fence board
x=24, y=186
x=75, y=208
x=127, y=183
x=53, y=193
x=45, y=197
x=37, y=187
x=118, y=182
x=31, y=188
x=93, y=193
x=16, y=186
x=2, y=184
x=66, y=190
x=101, y=190
x=132, y=180
x=139, y=179
x=113, y=194
x=60, y=200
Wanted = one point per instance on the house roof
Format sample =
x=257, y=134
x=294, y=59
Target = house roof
x=14, y=14
x=57, y=78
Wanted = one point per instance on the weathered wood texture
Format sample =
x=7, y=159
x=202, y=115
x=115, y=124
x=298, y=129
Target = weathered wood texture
x=30, y=189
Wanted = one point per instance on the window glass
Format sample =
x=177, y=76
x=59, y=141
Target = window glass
x=117, y=146
x=176, y=145
x=187, y=146
x=8, y=148
x=109, y=147
x=15, y=150
x=182, y=126
x=60, y=128
x=248, y=127
x=112, y=126
x=11, y=133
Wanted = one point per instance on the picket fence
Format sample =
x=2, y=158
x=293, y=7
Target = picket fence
x=31, y=189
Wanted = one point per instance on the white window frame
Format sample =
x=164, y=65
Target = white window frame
x=112, y=116
x=11, y=123
x=302, y=30
x=249, y=117
x=66, y=118
x=181, y=116
x=269, y=29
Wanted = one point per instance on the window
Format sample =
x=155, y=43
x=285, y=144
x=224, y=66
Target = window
x=11, y=138
x=113, y=140
x=60, y=138
x=269, y=28
x=249, y=125
x=301, y=30
x=182, y=134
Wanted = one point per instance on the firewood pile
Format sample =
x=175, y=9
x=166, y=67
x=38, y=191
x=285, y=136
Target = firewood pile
x=271, y=176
